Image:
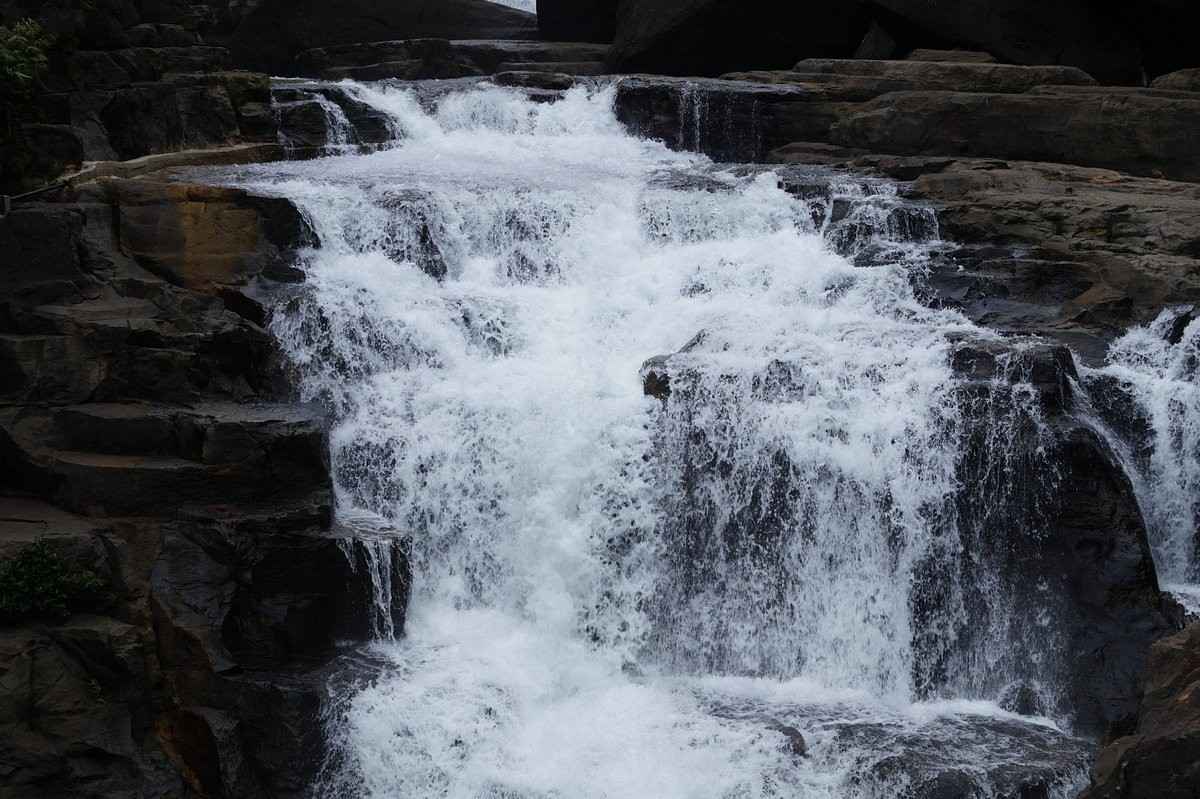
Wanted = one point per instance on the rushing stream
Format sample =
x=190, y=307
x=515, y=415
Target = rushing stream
x=622, y=595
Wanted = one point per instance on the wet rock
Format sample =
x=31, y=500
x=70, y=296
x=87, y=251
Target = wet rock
x=550, y=81
x=1072, y=527
x=716, y=36
x=656, y=371
x=656, y=377
x=1010, y=759
x=1140, y=132
x=303, y=124
x=412, y=232
x=1160, y=758
x=1180, y=326
x=1068, y=252
x=147, y=405
x=1134, y=133
x=794, y=743
x=1023, y=699
x=726, y=119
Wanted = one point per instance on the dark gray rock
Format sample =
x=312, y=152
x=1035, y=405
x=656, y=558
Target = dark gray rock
x=144, y=401
x=1070, y=523
x=1160, y=757
x=1139, y=134
x=949, y=75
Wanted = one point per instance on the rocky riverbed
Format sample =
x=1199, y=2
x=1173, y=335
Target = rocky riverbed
x=178, y=591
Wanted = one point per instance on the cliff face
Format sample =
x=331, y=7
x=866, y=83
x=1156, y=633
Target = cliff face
x=151, y=457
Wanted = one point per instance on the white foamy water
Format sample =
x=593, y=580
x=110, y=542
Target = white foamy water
x=616, y=595
x=1163, y=377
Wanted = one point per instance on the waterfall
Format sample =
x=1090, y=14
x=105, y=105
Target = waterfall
x=1157, y=366
x=623, y=595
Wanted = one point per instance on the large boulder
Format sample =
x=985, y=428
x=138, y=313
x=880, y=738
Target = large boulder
x=1045, y=502
x=196, y=236
x=577, y=20
x=271, y=36
x=710, y=37
x=1161, y=758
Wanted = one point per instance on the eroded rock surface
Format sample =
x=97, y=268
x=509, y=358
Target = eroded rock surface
x=147, y=445
x=1160, y=758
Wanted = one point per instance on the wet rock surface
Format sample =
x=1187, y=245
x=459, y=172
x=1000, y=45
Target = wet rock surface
x=1160, y=757
x=1073, y=528
x=1140, y=132
x=147, y=443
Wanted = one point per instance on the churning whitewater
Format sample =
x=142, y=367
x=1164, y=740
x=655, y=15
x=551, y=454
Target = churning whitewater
x=709, y=591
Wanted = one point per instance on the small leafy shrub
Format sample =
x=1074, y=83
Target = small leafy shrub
x=38, y=583
x=23, y=49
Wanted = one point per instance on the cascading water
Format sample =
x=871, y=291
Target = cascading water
x=1159, y=366
x=620, y=595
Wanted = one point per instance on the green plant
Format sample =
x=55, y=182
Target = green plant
x=23, y=49
x=38, y=583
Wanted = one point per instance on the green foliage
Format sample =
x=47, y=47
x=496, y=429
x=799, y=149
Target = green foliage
x=37, y=583
x=23, y=50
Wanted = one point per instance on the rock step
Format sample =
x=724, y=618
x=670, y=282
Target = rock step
x=858, y=88
x=583, y=68
x=98, y=484
x=113, y=69
x=1136, y=132
x=952, y=56
x=24, y=521
x=213, y=433
x=950, y=75
x=144, y=459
